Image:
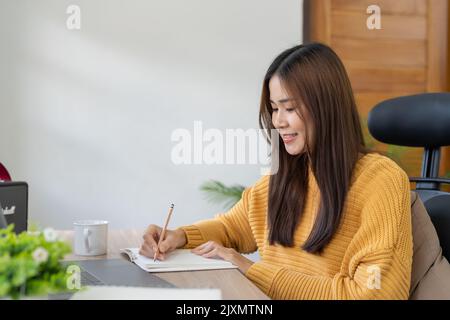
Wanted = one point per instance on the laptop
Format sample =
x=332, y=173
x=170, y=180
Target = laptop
x=14, y=204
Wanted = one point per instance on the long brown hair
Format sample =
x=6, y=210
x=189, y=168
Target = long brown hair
x=314, y=77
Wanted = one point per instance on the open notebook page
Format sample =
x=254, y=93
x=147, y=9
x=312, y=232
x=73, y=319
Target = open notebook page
x=177, y=260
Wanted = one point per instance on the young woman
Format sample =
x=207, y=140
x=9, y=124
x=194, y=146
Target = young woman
x=334, y=222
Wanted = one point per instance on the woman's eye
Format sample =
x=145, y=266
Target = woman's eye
x=290, y=109
x=274, y=109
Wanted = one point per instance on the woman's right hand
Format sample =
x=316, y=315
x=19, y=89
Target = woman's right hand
x=173, y=239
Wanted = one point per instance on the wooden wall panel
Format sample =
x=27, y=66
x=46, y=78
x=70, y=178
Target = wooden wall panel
x=407, y=56
x=403, y=7
x=393, y=26
x=378, y=52
x=384, y=79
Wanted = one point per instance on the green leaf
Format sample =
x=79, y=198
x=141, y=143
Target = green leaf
x=37, y=287
x=19, y=274
x=4, y=285
x=216, y=192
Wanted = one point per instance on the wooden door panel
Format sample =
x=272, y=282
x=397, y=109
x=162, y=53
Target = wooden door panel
x=409, y=55
x=383, y=79
x=382, y=52
x=403, y=7
x=393, y=26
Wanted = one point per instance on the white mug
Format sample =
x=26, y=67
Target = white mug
x=90, y=237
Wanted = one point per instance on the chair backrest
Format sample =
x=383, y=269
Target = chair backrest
x=420, y=121
x=430, y=274
x=437, y=204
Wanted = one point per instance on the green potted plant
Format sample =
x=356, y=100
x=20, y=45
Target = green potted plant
x=30, y=264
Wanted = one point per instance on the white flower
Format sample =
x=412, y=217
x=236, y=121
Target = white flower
x=50, y=235
x=40, y=255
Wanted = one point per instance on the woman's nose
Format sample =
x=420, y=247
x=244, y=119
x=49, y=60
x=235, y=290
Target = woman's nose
x=279, y=120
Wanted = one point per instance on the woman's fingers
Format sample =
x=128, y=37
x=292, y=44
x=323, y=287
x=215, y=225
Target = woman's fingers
x=206, y=245
x=150, y=241
x=214, y=253
x=167, y=245
x=145, y=250
x=212, y=249
x=220, y=252
x=151, y=236
x=148, y=252
x=204, y=248
x=199, y=247
x=160, y=256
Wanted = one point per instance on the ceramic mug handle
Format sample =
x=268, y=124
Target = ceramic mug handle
x=87, y=233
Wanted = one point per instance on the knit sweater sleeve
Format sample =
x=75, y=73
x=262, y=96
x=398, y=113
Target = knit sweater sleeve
x=377, y=263
x=230, y=229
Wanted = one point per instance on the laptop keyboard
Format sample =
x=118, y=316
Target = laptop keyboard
x=88, y=279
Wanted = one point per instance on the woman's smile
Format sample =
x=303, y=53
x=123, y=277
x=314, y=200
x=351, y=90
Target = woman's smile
x=289, y=137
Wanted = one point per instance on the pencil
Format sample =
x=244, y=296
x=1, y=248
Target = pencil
x=163, y=232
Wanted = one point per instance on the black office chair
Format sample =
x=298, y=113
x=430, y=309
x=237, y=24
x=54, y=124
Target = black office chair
x=421, y=120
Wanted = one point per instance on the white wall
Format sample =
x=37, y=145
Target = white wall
x=86, y=116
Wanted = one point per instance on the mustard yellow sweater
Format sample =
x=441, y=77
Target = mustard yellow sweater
x=369, y=257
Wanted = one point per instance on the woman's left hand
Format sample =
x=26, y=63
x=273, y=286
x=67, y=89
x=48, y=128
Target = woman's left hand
x=212, y=249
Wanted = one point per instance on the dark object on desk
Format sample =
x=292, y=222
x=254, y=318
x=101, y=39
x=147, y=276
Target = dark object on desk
x=14, y=202
x=117, y=272
x=3, y=223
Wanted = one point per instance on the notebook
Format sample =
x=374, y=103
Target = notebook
x=177, y=260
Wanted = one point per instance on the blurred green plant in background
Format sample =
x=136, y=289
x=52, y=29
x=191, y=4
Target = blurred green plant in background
x=217, y=192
